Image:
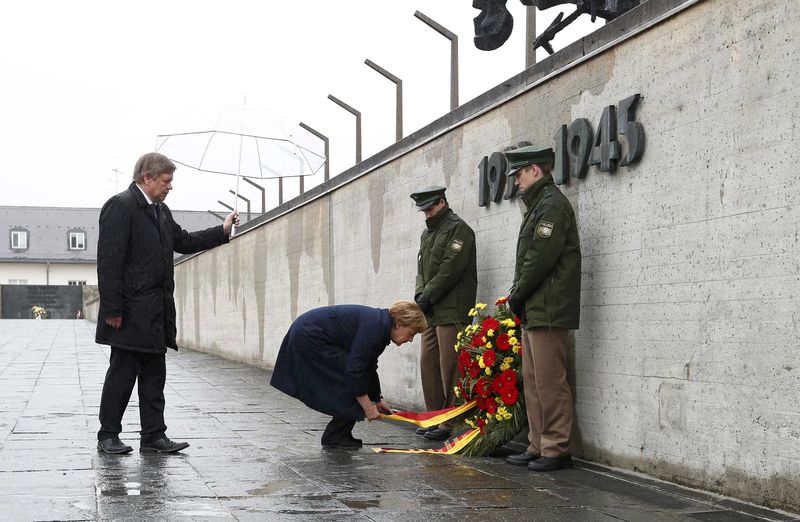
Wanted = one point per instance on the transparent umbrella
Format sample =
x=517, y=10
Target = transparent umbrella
x=241, y=141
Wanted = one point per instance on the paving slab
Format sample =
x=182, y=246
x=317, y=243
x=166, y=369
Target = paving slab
x=255, y=455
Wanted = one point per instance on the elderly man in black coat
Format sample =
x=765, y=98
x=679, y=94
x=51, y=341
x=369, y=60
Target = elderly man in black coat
x=137, y=310
x=329, y=361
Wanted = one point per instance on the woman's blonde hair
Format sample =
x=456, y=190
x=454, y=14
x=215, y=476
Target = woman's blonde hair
x=408, y=313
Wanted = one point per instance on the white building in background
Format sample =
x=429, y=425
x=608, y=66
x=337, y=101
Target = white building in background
x=58, y=246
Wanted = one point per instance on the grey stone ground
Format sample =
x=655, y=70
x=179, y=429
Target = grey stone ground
x=255, y=455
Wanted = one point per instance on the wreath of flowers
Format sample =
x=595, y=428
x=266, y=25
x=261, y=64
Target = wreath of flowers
x=39, y=312
x=489, y=363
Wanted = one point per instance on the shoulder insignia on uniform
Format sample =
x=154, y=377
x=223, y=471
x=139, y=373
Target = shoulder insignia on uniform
x=457, y=245
x=544, y=229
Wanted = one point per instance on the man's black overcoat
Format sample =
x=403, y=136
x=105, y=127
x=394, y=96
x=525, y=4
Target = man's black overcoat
x=330, y=356
x=135, y=271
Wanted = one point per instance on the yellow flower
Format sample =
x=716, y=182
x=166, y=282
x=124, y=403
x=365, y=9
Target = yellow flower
x=512, y=331
x=456, y=391
x=505, y=366
x=490, y=333
x=515, y=349
x=509, y=323
x=508, y=360
x=507, y=416
x=472, y=312
x=488, y=371
x=480, y=362
x=488, y=345
x=481, y=306
x=498, y=416
x=513, y=341
x=458, y=336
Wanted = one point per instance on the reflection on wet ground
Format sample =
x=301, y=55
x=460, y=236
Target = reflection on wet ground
x=255, y=455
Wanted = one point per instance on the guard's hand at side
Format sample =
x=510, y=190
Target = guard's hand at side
x=230, y=220
x=516, y=306
x=114, y=322
x=424, y=303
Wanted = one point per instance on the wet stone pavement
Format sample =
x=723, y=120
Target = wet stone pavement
x=255, y=455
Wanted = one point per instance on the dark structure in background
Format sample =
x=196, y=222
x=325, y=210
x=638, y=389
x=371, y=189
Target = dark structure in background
x=494, y=24
x=60, y=301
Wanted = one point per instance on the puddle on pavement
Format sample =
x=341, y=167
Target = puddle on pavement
x=130, y=489
x=269, y=488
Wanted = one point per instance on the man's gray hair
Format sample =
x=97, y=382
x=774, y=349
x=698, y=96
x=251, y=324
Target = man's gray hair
x=152, y=164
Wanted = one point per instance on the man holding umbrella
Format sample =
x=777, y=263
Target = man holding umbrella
x=137, y=310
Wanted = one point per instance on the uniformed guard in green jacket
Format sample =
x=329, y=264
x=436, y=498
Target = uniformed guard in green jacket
x=447, y=282
x=546, y=297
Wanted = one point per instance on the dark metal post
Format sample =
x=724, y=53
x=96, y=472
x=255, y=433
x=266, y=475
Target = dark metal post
x=357, y=114
x=398, y=97
x=247, y=201
x=226, y=206
x=530, y=36
x=453, y=37
x=217, y=215
x=263, y=194
x=327, y=150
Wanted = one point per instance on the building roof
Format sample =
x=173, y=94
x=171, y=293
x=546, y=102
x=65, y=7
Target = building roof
x=49, y=227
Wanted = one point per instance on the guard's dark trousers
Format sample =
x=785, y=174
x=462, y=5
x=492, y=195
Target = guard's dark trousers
x=124, y=368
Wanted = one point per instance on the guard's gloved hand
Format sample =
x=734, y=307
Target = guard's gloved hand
x=516, y=306
x=424, y=303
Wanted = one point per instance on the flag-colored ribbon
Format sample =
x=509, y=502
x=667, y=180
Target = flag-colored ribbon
x=450, y=447
x=430, y=418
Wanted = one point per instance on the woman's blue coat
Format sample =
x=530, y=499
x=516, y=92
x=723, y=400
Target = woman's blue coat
x=330, y=356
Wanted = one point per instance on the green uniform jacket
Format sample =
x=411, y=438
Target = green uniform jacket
x=447, y=268
x=547, y=275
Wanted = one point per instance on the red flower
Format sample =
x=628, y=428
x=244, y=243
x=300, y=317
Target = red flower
x=501, y=300
x=516, y=320
x=491, y=406
x=510, y=395
x=481, y=424
x=497, y=384
x=502, y=342
x=489, y=358
x=477, y=339
x=490, y=323
x=464, y=359
x=474, y=370
x=482, y=387
x=509, y=376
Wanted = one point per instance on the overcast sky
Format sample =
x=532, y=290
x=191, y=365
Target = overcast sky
x=87, y=85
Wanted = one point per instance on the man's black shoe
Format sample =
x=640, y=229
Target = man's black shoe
x=521, y=459
x=162, y=445
x=423, y=431
x=550, y=463
x=113, y=446
x=437, y=434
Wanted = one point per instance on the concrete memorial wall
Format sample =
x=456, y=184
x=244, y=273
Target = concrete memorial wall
x=686, y=364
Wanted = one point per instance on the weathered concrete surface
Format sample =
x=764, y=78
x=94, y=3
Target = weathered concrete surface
x=255, y=455
x=685, y=365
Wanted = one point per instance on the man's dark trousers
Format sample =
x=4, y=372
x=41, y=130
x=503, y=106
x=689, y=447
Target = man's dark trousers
x=124, y=368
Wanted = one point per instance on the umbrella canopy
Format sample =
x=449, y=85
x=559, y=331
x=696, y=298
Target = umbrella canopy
x=241, y=141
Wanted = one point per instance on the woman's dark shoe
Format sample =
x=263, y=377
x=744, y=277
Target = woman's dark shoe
x=113, y=446
x=423, y=431
x=343, y=444
x=162, y=445
x=550, y=463
x=437, y=434
x=521, y=459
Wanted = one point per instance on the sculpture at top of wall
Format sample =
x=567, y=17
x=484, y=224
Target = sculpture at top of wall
x=494, y=24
